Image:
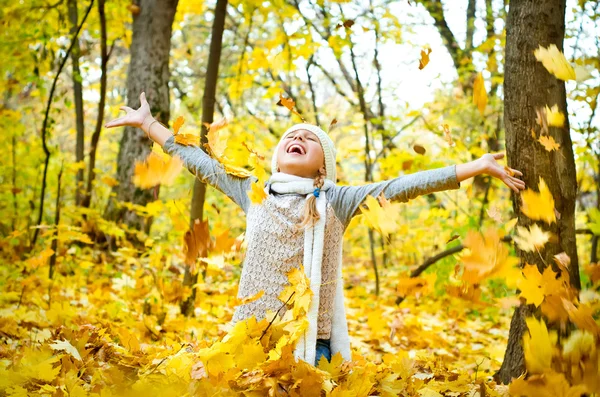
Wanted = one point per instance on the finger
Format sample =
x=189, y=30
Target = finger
x=498, y=155
x=517, y=172
x=518, y=183
x=115, y=123
x=511, y=185
x=127, y=109
x=142, y=97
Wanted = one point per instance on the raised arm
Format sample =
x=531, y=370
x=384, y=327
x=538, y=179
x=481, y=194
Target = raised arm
x=195, y=159
x=210, y=171
x=347, y=199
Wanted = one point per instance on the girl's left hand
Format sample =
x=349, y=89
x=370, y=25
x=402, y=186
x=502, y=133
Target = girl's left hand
x=491, y=167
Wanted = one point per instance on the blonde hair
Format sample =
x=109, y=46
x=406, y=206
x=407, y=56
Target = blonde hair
x=311, y=215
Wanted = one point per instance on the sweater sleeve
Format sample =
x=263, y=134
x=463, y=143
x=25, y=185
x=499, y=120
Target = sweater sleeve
x=346, y=200
x=210, y=171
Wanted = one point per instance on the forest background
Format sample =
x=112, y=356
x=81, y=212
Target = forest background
x=110, y=286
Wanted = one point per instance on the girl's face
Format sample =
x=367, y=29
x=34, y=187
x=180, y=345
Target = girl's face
x=300, y=153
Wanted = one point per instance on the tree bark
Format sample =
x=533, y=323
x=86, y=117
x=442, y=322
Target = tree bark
x=148, y=72
x=104, y=55
x=528, y=86
x=78, y=99
x=208, y=109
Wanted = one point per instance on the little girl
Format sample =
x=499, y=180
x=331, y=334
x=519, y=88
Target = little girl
x=303, y=219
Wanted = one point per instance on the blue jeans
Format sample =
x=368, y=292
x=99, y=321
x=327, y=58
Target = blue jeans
x=323, y=349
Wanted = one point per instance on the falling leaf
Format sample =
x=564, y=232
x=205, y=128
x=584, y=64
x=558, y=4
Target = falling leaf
x=134, y=9
x=480, y=98
x=347, y=24
x=538, y=346
x=424, y=58
x=196, y=242
x=549, y=143
x=419, y=149
x=495, y=214
x=177, y=124
x=488, y=257
x=582, y=316
x=382, y=218
x=447, y=135
x=217, y=125
x=509, y=171
x=531, y=285
x=289, y=104
x=248, y=299
x=554, y=116
x=332, y=124
x=555, y=62
x=257, y=192
x=538, y=206
x=156, y=170
x=541, y=120
x=530, y=240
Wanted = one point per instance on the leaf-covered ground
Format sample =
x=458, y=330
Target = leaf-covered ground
x=111, y=325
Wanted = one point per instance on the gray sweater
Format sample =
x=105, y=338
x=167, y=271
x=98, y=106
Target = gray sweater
x=275, y=246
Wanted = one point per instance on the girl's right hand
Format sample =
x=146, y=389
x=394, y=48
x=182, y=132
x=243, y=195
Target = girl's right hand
x=134, y=118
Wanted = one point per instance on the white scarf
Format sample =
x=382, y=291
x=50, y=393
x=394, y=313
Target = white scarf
x=314, y=236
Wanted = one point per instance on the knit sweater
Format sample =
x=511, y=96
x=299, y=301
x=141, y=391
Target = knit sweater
x=275, y=246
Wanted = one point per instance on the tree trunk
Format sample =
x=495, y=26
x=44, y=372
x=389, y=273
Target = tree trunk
x=148, y=72
x=104, y=55
x=78, y=99
x=527, y=86
x=208, y=109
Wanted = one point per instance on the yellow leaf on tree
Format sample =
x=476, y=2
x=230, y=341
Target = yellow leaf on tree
x=538, y=206
x=532, y=239
x=480, y=98
x=538, y=346
x=555, y=62
x=548, y=143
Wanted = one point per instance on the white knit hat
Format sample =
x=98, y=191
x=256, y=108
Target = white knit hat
x=326, y=143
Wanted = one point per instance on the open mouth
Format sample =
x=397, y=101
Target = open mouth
x=296, y=149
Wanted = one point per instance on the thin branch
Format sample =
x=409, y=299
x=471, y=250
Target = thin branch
x=46, y=117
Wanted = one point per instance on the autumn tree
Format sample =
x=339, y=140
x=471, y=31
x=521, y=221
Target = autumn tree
x=208, y=109
x=529, y=87
x=149, y=72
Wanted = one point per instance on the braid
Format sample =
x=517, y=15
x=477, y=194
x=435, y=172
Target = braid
x=311, y=215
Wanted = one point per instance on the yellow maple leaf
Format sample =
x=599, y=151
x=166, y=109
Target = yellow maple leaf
x=488, y=257
x=155, y=170
x=531, y=286
x=424, y=61
x=548, y=143
x=532, y=239
x=257, y=192
x=298, y=292
x=538, y=346
x=538, y=206
x=177, y=124
x=480, y=98
x=554, y=116
x=447, y=135
x=555, y=62
x=383, y=218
